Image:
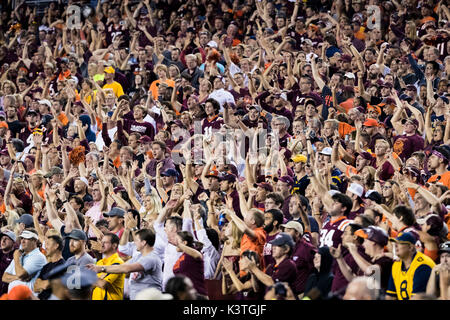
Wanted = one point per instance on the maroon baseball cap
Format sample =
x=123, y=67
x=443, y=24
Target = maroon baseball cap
x=287, y=179
x=265, y=185
x=375, y=234
x=366, y=155
x=145, y=139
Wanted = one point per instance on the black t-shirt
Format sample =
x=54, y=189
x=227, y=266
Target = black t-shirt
x=44, y=295
x=15, y=127
x=66, y=250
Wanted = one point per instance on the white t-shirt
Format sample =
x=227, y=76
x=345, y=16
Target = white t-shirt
x=222, y=96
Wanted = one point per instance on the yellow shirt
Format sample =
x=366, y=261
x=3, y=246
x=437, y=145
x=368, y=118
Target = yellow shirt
x=404, y=280
x=115, y=280
x=116, y=87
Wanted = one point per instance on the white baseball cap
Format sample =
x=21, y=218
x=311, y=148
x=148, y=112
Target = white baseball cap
x=28, y=235
x=356, y=188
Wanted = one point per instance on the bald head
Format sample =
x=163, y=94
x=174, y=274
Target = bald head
x=359, y=289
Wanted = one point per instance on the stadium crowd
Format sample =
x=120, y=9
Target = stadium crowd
x=220, y=149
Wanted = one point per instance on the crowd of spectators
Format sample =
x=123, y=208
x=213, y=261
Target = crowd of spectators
x=220, y=149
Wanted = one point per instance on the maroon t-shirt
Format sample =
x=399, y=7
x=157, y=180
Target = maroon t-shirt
x=339, y=280
x=303, y=256
x=5, y=260
x=353, y=214
x=405, y=145
x=286, y=271
x=144, y=128
x=331, y=233
x=267, y=251
x=215, y=123
x=193, y=269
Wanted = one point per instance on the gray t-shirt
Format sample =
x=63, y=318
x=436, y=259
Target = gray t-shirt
x=82, y=261
x=150, y=278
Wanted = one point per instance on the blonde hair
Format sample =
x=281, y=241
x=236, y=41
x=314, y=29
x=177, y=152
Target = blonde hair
x=9, y=82
x=156, y=206
x=163, y=67
x=236, y=236
x=412, y=33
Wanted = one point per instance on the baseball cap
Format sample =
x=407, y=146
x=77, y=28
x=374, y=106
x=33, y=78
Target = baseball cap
x=212, y=44
x=308, y=42
x=227, y=177
x=374, y=196
x=170, y=173
x=115, y=212
x=356, y=188
x=370, y=122
x=326, y=151
x=20, y=292
x=405, y=97
x=293, y=225
x=9, y=234
x=26, y=219
x=299, y=158
x=255, y=106
x=265, y=185
x=349, y=75
x=287, y=179
x=145, y=139
x=212, y=173
x=32, y=112
x=405, y=238
x=109, y=69
x=4, y=152
x=375, y=234
x=26, y=234
x=412, y=120
x=44, y=101
x=444, y=98
x=376, y=108
x=77, y=234
x=444, y=247
x=54, y=170
x=282, y=239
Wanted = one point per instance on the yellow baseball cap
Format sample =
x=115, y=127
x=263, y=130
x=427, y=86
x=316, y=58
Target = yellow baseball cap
x=299, y=158
x=109, y=70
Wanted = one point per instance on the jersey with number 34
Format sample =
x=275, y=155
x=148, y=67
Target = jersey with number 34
x=332, y=230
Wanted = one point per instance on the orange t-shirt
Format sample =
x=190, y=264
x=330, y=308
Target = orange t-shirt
x=344, y=129
x=347, y=104
x=63, y=118
x=445, y=179
x=117, y=162
x=154, y=87
x=257, y=244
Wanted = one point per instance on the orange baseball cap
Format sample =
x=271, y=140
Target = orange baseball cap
x=376, y=108
x=20, y=292
x=370, y=123
x=3, y=124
